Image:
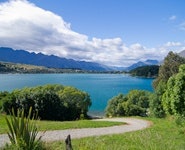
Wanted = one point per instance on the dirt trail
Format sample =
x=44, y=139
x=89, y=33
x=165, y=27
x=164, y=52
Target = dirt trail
x=132, y=125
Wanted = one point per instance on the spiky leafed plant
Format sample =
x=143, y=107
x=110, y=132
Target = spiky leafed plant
x=23, y=130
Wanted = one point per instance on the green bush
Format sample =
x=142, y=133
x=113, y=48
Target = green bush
x=2, y=95
x=52, y=102
x=135, y=103
x=114, y=107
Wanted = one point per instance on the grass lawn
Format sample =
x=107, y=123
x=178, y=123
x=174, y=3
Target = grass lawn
x=58, y=125
x=164, y=134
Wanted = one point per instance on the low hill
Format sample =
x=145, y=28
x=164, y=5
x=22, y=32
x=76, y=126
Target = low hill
x=6, y=67
x=146, y=71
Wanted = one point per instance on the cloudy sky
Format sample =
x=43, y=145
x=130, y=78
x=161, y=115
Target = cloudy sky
x=110, y=32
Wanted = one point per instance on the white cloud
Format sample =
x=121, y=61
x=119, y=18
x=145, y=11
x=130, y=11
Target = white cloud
x=23, y=25
x=173, y=17
x=26, y=26
x=172, y=44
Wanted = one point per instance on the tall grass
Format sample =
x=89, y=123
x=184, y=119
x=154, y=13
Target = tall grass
x=23, y=130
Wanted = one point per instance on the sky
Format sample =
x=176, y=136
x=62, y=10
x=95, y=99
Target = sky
x=110, y=32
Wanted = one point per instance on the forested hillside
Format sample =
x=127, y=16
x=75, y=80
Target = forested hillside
x=146, y=71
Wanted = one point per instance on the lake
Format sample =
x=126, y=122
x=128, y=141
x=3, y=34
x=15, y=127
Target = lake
x=101, y=87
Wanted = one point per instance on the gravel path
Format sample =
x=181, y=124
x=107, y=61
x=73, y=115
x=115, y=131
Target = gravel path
x=132, y=125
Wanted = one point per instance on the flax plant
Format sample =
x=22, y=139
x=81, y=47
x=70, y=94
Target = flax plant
x=23, y=130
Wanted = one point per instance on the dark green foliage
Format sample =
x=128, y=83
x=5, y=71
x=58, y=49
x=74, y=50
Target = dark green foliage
x=75, y=102
x=52, y=102
x=166, y=70
x=169, y=68
x=156, y=108
x=135, y=103
x=174, y=97
x=114, y=107
x=146, y=71
x=2, y=95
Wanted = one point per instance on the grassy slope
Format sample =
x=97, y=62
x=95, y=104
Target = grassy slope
x=57, y=125
x=162, y=135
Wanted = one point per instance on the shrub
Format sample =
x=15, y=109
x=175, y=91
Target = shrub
x=114, y=107
x=52, y=102
x=23, y=130
x=135, y=103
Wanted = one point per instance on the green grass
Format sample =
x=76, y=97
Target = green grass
x=54, y=125
x=3, y=125
x=164, y=134
x=58, y=125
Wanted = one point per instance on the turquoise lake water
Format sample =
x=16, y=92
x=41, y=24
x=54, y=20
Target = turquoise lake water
x=101, y=87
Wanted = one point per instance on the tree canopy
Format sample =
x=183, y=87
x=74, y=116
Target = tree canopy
x=169, y=68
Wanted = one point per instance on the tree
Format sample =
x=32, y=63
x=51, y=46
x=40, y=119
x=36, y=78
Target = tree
x=169, y=68
x=173, y=99
x=145, y=71
x=166, y=70
x=155, y=101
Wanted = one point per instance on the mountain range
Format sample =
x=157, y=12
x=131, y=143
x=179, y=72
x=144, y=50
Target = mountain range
x=52, y=61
